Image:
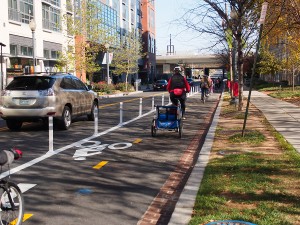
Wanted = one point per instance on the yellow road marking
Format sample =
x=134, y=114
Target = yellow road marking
x=100, y=165
x=25, y=217
x=137, y=141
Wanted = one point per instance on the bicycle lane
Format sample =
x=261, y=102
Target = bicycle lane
x=121, y=190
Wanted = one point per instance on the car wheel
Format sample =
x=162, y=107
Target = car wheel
x=66, y=119
x=14, y=125
x=91, y=116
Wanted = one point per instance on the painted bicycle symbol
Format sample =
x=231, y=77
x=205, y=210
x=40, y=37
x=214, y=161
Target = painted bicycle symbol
x=91, y=148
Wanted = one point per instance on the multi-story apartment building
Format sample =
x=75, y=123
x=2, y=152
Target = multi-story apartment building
x=138, y=16
x=16, y=34
x=148, y=72
x=51, y=37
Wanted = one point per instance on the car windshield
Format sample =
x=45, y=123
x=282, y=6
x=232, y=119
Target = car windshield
x=161, y=82
x=30, y=83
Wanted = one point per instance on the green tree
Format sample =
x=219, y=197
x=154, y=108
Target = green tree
x=237, y=29
x=126, y=56
x=88, y=36
x=269, y=64
x=292, y=61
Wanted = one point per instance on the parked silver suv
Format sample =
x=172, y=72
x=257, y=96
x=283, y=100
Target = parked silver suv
x=35, y=97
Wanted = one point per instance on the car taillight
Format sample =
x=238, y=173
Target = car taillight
x=5, y=93
x=47, y=92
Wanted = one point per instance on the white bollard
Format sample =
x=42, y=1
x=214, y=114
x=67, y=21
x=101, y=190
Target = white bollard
x=121, y=113
x=141, y=103
x=96, y=120
x=163, y=100
x=152, y=102
x=50, y=133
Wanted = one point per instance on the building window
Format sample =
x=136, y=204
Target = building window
x=54, y=54
x=116, y=6
x=51, y=18
x=26, y=51
x=46, y=54
x=54, y=2
x=151, y=23
x=13, y=49
x=110, y=20
x=20, y=10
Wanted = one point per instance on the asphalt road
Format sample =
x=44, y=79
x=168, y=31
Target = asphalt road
x=114, y=175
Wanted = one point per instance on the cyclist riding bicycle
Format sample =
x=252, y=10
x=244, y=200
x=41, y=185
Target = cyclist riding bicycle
x=178, y=87
x=205, y=85
x=8, y=156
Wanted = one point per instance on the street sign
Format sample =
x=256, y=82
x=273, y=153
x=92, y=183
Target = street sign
x=110, y=55
x=263, y=13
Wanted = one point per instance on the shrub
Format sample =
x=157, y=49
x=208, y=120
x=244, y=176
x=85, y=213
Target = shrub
x=103, y=87
x=284, y=83
x=122, y=87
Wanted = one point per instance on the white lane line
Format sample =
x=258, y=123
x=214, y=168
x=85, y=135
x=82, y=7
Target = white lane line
x=49, y=154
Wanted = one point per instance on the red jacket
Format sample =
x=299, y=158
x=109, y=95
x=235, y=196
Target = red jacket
x=187, y=87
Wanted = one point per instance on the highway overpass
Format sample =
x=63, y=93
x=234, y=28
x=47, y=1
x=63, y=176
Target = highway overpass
x=165, y=64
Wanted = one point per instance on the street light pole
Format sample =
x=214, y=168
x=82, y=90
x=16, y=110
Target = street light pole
x=32, y=26
x=107, y=63
x=1, y=78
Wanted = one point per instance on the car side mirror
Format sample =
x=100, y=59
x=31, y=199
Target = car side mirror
x=90, y=87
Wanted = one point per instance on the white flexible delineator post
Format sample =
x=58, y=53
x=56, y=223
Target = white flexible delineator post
x=50, y=133
x=121, y=113
x=152, y=103
x=141, y=105
x=96, y=120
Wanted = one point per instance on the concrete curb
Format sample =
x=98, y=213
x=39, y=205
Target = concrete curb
x=185, y=204
x=119, y=95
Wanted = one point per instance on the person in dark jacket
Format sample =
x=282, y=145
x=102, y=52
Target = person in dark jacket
x=178, y=87
x=8, y=156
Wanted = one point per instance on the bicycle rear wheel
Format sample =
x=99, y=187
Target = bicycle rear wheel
x=11, y=214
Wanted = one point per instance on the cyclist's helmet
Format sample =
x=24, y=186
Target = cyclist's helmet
x=177, y=68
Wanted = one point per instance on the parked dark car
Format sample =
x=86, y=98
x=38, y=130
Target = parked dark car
x=190, y=81
x=160, y=85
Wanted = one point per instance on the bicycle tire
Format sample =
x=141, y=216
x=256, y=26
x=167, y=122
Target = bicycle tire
x=8, y=215
x=153, y=128
x=180, y=128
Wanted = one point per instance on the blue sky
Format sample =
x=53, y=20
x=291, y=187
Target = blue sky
x=167, y=11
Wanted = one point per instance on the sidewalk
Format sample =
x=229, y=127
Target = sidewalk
x=283, y=116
